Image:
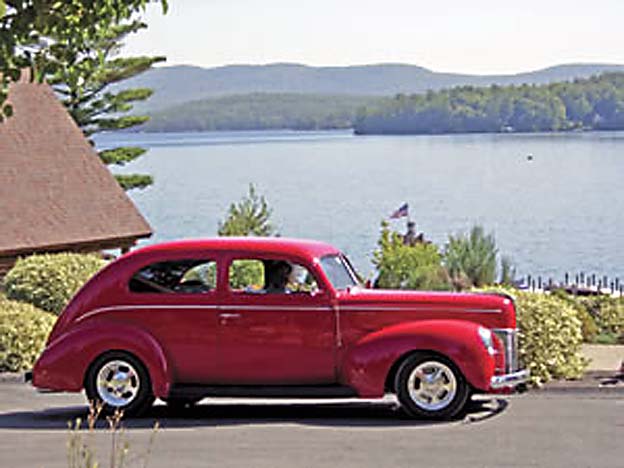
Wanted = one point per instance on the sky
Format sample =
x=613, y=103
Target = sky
x=472, y=36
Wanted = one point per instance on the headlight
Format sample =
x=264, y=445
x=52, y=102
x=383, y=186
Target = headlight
x=486, y=338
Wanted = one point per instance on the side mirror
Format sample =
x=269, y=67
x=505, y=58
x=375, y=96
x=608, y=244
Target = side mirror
x=368, y=284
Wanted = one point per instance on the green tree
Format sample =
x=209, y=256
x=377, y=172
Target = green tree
x=508, y=272
x=84, y=81
x=401, y=266
x=251, y=216
x=471, y=259
x=33, y=33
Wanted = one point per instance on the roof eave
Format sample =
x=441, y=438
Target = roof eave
x=103, y=243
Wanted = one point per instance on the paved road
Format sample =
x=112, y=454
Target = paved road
x=568, y=429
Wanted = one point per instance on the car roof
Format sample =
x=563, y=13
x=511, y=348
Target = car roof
x=269, y=245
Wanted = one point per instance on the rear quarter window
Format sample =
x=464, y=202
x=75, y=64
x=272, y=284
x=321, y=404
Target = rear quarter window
x=192, y=276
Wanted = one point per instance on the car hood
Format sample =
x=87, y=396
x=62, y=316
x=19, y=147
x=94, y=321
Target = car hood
x=495, y=310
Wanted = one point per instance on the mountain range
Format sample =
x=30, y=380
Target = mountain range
x=174, y=85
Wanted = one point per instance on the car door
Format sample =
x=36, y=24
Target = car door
x=274, y=338
x=177, y=301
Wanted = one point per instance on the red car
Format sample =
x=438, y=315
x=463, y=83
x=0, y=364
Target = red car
x=272, y=317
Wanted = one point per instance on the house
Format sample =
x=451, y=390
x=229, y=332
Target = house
x=55, y=193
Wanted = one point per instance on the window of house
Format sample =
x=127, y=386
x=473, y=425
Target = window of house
x=179, y=276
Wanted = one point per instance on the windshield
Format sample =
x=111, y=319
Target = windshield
x=338, y=272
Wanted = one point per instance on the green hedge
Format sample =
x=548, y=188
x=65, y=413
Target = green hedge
x=550, y=336
x=610, y=316
x=602, y=316
x=23, y=332
x=49, y=281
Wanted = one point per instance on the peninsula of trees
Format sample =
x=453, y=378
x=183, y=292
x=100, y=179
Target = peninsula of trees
x=595, y=103
x=261, y=111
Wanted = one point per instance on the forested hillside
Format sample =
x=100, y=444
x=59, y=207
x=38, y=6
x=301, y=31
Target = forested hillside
x=260, y=112
x=179, y=84
x=596, y=103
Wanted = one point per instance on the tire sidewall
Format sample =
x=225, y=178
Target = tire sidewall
x=410, y=407
x=144, y=397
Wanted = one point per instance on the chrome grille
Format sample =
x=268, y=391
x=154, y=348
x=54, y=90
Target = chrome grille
x=509, y=338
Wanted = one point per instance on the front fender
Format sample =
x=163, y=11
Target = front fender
x=63, y=364
x=367, y=364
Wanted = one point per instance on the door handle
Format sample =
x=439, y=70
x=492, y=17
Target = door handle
x=229, y=316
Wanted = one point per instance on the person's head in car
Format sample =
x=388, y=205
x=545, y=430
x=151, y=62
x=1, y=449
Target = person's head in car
x=277, y=276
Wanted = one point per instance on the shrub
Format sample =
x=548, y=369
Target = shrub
x=49, y=281
x=402, y=266
x=24, y=330
x=550, y=337
x=471, y=260
x=602, y=317
x=589, y=329
x=610, y=317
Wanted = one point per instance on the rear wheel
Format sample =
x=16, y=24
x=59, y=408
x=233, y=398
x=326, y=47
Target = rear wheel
x=430, y=386
x=119, y=381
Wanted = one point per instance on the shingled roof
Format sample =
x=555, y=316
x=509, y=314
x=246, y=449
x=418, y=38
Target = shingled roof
x=55, y=193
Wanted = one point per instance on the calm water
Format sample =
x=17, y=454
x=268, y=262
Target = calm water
x=560, y=212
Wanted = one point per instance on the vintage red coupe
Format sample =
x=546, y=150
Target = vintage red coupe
x=265, y=317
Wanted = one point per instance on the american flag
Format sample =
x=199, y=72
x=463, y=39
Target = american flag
x=402, y=212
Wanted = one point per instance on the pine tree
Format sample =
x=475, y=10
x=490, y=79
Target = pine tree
x=88, y=84
x=249, y=217
x=33, y=33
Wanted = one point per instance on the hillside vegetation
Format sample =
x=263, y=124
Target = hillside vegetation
x=596, y=103
x=261, y=112
x=179, y=84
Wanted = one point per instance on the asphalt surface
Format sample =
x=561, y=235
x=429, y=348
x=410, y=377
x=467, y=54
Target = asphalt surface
x=545, y=429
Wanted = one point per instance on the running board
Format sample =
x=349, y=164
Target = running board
x=262, y=391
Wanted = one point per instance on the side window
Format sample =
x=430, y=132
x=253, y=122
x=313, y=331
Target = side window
x=179, y=276
x=247, y=275
x=271, y=277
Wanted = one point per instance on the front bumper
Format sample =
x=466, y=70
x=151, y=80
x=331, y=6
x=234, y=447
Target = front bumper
x=509, y=380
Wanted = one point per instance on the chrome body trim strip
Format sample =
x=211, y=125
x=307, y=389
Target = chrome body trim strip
x=349, y=308
x=100, y=310
x=277, y=308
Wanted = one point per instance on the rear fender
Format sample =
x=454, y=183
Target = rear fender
x=366, y=365
x=64, y=363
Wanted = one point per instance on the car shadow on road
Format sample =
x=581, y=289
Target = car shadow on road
x=234, y=414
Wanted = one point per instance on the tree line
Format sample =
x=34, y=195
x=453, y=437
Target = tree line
x=260, y=111
x=595, y=103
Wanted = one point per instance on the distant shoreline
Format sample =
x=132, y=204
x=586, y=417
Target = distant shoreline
x=355, y=133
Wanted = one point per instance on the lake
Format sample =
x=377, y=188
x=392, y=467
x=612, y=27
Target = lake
x=560, y=212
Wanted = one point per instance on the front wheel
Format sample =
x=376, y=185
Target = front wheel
x=430, y=386
x=119, y=381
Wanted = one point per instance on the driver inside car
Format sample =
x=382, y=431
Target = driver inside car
x=277, y=275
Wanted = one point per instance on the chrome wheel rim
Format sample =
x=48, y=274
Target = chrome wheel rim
x=432, y=385
x=118, y=383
